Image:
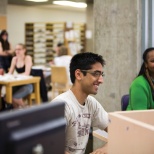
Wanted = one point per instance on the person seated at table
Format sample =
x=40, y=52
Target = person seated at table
x=83, y=111
x=59, y=45
x=63, y=59
x=21, y=63
x=141, y=93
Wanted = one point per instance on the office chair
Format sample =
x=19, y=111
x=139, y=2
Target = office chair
x=59, y=80
x=124, y=102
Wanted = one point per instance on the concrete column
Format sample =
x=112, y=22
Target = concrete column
x=117, y=37
x=90, y=27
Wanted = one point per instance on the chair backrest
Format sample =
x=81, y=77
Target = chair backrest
x=59, y=80
x=124, y=102
x=59, y=75
x=43, y=88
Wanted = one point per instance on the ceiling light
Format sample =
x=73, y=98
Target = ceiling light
x=70, y=3
x=37, y=0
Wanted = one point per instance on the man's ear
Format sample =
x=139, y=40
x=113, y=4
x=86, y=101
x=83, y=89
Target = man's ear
x=78, y=74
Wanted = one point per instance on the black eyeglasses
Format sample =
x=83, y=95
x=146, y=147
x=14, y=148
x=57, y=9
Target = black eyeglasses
x=96, y=74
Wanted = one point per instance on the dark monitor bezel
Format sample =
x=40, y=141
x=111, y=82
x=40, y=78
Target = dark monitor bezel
x=21, y=129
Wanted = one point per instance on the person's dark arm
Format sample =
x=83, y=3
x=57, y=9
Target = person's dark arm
x=106, y=129
x=1, y=51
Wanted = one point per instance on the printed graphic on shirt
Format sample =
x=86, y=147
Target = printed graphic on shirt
x=82, y=123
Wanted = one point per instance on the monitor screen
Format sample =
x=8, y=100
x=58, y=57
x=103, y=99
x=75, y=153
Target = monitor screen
x=35, y=130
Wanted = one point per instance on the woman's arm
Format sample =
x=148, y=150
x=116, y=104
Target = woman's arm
x=28, y=65
x=10, y=51
x=2, y=53
x=139, y=96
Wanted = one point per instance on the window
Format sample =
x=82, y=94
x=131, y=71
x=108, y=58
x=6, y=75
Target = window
x=147, y=24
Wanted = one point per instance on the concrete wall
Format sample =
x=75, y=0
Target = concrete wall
x=90, y=27
x=117, y=37
x=3, y=7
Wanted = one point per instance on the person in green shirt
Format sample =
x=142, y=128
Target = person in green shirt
x=141, y=93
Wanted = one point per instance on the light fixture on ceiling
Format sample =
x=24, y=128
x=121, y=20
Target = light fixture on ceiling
x=37, y=0
x=70, y=3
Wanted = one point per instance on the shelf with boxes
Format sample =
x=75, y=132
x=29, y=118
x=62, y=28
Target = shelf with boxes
x=41, y=38
x=80, y=29
x=75, y=38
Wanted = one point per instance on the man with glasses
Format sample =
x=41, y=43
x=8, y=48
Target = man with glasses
x=83, y=111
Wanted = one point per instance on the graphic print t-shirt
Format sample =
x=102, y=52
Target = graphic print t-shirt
x=79, y=120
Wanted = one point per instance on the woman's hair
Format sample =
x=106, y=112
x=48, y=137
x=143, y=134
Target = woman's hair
x=63, y=51
x=145, y=55
x=59, y=44
x=3, y=32
x=144, y=71
x=5, y=43
x=23, y=46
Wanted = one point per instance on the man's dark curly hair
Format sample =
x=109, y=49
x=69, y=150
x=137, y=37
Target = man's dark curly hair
x=84, y=61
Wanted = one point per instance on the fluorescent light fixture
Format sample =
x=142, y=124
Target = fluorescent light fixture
x=70, y=3
x=37, y=0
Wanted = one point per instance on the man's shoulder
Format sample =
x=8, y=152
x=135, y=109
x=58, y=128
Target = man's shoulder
x=92, y=101
x=91, y=98
x=64, y=96
x=140, y=80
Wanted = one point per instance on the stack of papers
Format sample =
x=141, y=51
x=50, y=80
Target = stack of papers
x=9, y=77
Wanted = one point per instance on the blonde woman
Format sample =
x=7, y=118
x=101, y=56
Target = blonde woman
x=22, y=63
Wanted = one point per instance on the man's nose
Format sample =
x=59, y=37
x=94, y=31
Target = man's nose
x=101, y=79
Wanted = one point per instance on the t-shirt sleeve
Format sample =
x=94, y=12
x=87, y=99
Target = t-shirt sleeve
x=67, y=114
x=100, y=116
x=66, y=110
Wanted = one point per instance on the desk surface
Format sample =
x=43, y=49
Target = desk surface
x=10, y=81
x=101, y=134
x=15, y=80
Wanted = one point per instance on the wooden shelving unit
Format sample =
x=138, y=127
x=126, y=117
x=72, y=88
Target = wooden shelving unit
x=75, y=38
x=80, y=29
x=41, y=39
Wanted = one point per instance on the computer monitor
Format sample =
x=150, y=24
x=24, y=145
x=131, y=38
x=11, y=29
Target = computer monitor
x=35, y=130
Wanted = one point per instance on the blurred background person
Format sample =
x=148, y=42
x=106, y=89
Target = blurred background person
x=22, y=64
x=58, y=47
x=141, y=93
x=6, y=51
x=63, y=59
x=56, y=52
